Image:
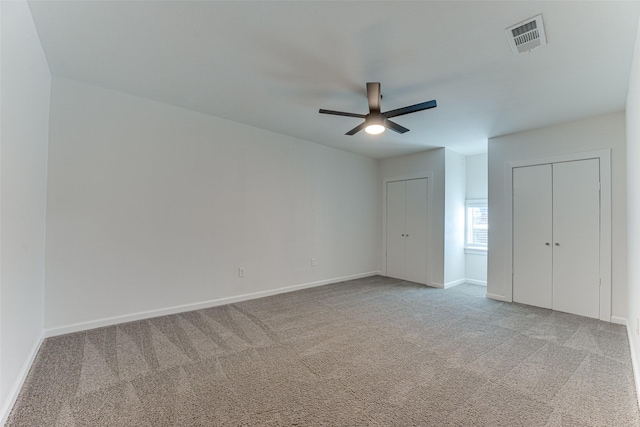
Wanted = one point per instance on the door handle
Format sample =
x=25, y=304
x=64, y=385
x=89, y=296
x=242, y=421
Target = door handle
x=557, y=244
x=548, y=244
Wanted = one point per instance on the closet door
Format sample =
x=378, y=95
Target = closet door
x=407, y=230
x=396, y=201
x=576, y=236
x=416, y=231
x=532, y=235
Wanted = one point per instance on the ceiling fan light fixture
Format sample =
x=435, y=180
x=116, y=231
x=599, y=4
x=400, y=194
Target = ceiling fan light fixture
x=374, y=129
x=375, y=124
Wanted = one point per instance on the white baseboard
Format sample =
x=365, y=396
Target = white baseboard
x=620, y=321
x=454, y=283
x=99, y=323
x=497, y=297
x=634, y=360
x=17, y=386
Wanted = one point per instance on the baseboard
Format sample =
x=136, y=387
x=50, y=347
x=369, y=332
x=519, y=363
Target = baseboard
x=92, y=324
x=497, y=297
x=620, y=321
x=454, y=283
x=17, y=386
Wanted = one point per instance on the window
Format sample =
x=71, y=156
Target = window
x=477, y=225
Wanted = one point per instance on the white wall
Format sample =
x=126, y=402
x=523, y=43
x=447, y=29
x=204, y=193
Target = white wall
x=153, y=208
x=633, y=208
x=602, y=132
x=477, y=176
x=455, y=189
x=419, y=164
x=24, y=82
x=477, y=188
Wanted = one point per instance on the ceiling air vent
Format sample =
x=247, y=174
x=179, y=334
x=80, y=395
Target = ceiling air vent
x=526, y=35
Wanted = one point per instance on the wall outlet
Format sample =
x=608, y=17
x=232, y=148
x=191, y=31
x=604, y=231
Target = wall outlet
x=313, y=262
x=241, y=272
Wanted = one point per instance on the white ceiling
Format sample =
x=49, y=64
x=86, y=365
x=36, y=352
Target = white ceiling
x=273, y=64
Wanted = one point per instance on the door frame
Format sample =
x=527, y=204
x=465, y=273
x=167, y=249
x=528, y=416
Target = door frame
x=605, y=220
x=420, y=175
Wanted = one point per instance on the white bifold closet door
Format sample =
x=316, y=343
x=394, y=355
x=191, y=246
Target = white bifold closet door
x=407, y=230
x=576, y=236
x=396, y=201
x=532, y=236
x=556, y=236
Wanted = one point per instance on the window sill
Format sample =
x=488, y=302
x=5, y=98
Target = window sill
x=475, y=251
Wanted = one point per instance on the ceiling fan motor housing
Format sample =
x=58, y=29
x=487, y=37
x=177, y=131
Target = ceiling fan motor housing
x=375, y=119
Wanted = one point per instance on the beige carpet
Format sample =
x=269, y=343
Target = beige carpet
x=373, y=351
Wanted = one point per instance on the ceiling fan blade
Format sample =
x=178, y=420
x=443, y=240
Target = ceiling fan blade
x=342, y=113
x=373, y=93
x=356, y=129
x=410, y=109
x=395, y=127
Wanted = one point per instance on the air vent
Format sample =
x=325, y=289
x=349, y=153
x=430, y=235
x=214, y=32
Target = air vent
x=527, y=35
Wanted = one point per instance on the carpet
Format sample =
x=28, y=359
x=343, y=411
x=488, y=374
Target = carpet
x=374, y=351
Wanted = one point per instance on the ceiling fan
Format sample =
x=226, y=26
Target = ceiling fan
x=375, y=122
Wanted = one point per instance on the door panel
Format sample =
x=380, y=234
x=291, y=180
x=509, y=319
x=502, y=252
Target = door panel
x=532, y=235
x=416, y=231
x=576, y=225
x=396, y=197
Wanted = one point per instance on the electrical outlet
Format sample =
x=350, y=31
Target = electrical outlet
x=313, y=262
x=241, y=272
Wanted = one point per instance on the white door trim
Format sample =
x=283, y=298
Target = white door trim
x=605, y=215
x=429, y=176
